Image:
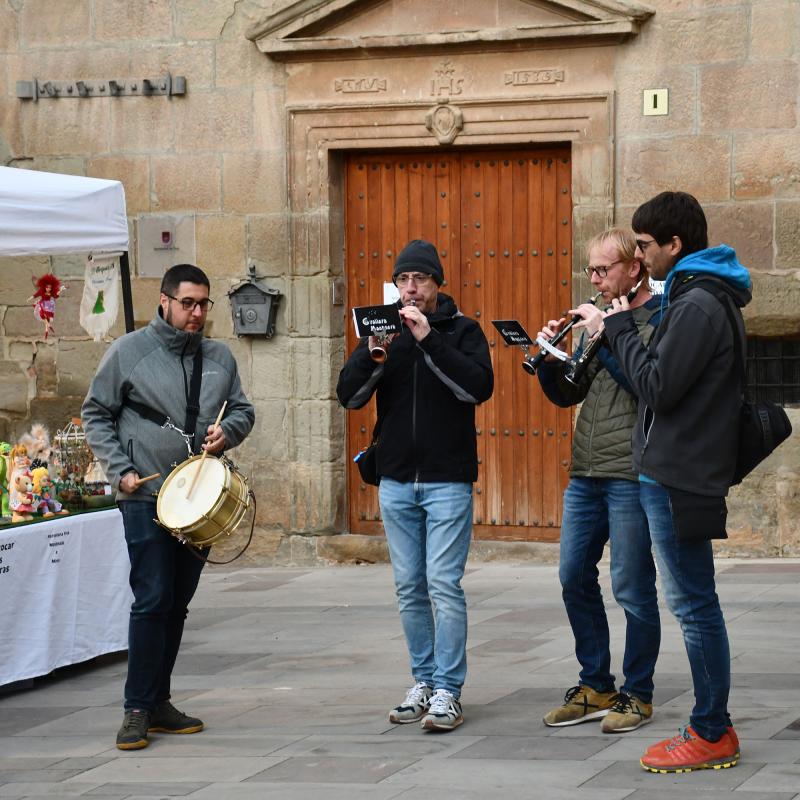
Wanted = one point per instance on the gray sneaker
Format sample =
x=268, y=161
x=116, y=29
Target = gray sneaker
x=414, y=706
x=444, y=712
x=133, y=733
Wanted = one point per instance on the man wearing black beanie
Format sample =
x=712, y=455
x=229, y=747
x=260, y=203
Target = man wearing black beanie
x=437, y=370
x=420, y=256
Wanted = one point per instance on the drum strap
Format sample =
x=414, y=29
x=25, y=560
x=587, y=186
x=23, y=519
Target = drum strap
x=193, y=400
x=192, y=404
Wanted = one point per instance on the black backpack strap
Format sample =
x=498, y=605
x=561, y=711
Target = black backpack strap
x=727, y=302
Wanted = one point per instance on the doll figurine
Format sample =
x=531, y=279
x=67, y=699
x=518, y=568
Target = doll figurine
x=5, y=470
x=43, y=500
x=21, y=496
x=48, y=290
x=19, y=458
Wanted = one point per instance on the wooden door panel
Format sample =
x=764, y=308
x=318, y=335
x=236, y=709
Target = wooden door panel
x=502, y=224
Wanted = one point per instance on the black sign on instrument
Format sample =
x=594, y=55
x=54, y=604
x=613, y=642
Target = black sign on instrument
x=512, y=331
x=377, y=320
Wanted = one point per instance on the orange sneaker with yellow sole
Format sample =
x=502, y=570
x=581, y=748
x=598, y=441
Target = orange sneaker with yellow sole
x=688, y=751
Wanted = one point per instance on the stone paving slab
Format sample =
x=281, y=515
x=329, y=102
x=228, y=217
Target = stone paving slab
x=294, y=672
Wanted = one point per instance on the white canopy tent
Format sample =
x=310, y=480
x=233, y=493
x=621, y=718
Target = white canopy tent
x=44, y=213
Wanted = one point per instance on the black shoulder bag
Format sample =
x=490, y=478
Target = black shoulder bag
x=763, y=425
x=367, y=459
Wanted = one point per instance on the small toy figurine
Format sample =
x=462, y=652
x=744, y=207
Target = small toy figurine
x=43, y=500
x=21, y=500
x=48, y=290
x=37, y=443
x=5, y=470
x=19, y=458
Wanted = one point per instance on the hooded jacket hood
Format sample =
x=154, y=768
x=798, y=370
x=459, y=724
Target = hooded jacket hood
x=716, y=262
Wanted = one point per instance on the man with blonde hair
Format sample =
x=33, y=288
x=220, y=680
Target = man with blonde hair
x=601, y=505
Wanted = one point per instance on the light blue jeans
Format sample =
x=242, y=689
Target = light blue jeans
x=428, y=529
x=596, y=509
x=687, y=575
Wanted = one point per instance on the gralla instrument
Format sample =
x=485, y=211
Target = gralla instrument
x=217, y=504
x=578, y=366
x=531, y=363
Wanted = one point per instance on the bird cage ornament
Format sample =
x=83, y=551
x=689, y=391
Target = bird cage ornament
x=72, y=455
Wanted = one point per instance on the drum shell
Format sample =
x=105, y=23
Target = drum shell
x=222, y=518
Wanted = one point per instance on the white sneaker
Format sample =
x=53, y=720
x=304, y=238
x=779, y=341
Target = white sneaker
x=444, y=712
x=414, y=706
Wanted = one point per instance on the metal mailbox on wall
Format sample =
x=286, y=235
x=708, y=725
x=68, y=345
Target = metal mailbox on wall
x=254, y=308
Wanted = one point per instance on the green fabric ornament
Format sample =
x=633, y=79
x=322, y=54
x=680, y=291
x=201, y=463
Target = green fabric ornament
x=99, y=308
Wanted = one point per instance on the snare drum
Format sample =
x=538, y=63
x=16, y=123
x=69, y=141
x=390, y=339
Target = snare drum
x=218, y=502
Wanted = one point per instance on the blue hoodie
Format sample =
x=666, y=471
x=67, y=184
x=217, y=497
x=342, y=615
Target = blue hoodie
x=718, y=262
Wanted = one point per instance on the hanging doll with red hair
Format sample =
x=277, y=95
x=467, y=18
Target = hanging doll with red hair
x=48, y=290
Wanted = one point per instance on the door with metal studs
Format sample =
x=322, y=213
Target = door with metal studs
x=502, y=223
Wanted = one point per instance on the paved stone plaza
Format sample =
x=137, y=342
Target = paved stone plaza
x=294, y=671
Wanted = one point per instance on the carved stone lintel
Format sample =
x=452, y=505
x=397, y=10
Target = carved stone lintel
x=445, y=122
x=529, y=77
x=360, y=85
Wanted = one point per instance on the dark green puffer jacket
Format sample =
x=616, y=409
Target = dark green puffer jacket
x=601, y=443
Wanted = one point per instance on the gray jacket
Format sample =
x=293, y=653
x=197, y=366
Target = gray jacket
x=153, y=366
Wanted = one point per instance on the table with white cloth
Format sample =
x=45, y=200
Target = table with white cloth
x=64, y=593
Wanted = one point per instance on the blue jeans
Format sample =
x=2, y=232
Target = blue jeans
x=596, y=509
x=428, y=529
x=164, y=577
x=687, y=576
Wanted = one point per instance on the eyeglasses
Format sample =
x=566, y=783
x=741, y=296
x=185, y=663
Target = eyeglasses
x=420, y=278
x=643, y=245
x=189, y=303
x=601, y=271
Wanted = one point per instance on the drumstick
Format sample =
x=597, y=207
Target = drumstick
x=205, y=453
x=140, y=481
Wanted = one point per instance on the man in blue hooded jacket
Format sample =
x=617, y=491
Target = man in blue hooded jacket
x=684, y=449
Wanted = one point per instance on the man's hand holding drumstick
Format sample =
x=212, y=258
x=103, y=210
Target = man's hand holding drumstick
x=131, y=481
x=215, y=441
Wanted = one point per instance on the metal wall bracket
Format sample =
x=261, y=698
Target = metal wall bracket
x=38, y=89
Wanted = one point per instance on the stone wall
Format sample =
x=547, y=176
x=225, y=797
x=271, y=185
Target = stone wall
x=219, y=153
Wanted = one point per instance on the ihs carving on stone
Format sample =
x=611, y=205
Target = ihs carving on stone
x=446, y=84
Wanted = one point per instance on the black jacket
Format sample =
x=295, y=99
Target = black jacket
x=688, y=384
x=427, y=393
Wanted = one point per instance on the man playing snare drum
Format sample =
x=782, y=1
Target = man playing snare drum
x=145, y=411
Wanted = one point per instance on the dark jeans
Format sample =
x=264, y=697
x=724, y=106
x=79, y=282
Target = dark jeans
x=687, y=576
x=164, y=577
x=596, y=510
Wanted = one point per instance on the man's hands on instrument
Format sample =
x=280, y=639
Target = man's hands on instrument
x=215, y=440
x=415, y=321
x=591, y=318
x=618, y=304
x=549, y=331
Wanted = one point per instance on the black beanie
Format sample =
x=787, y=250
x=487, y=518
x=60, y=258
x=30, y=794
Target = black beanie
x=419, y=256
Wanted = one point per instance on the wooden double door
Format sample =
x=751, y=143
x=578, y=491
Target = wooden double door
x=502, y=223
